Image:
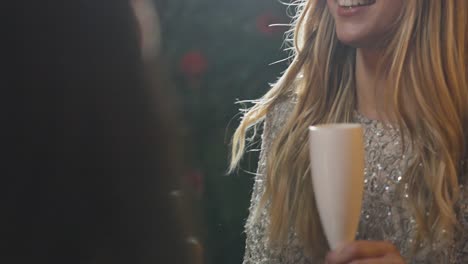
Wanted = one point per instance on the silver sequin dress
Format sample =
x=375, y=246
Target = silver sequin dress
x=385, y=214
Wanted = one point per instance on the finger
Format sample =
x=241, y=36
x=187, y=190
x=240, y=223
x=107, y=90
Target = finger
x=394, y=259
x=369, y=261
x=360, y=250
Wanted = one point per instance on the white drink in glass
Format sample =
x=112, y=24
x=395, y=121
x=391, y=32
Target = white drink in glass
x=337, y=168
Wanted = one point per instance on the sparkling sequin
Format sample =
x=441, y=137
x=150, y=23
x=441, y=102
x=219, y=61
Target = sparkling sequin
x=385, y=211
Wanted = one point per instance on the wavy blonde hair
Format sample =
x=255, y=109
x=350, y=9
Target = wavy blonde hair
x=426, y=61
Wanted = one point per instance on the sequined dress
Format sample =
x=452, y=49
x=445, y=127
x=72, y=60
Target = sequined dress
x=385, y=212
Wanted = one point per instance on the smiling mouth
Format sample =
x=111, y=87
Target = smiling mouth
x=354, y=3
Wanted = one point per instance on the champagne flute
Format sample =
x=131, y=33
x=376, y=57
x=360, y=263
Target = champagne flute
x=337, y=168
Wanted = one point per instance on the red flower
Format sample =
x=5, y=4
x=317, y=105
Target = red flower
x=193, y=64
x=264, y=22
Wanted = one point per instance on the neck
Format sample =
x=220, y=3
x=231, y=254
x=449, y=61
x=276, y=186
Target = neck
x=368, y=83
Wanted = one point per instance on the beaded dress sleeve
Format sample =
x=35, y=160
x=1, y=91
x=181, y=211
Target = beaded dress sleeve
x=257, y=249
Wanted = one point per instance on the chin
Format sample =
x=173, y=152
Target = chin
x=352, y=41
x=357, y=40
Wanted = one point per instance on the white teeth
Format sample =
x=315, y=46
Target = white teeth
x=353, y=3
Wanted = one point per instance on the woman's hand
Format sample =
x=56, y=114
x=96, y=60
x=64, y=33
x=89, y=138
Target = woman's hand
x=365, y=252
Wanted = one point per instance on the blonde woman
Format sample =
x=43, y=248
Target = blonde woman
x=400, y=69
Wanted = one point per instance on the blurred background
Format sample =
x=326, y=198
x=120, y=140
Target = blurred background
x=215, y=52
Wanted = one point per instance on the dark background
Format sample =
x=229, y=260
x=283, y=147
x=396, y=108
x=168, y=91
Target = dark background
x=216, y=52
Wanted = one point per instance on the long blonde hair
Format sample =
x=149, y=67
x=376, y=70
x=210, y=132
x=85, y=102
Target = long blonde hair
x=427, y=64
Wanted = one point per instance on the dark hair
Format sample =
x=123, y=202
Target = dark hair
x=87, y=157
